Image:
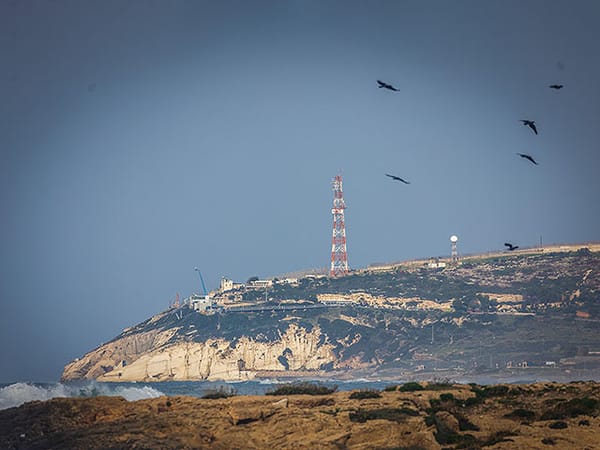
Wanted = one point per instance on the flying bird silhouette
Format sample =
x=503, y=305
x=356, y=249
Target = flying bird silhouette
x=510, y=246
x=556, y=86
x=387, y=86
x=394, y=177
x=529, y=157
x=530, y=124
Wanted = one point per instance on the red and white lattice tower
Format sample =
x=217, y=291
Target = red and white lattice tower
x=339, y=256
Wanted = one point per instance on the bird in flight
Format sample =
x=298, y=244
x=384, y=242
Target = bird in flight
x=529, y=157
x=530, y=124
x=394, y=177
x=556, y=86
x=510, y=246
x=387, y=86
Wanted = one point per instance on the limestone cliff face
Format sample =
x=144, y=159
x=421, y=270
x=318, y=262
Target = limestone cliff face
x=151, y=356
x=108, y=356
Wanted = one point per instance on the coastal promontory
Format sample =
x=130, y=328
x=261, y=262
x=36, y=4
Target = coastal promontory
x=504, y=314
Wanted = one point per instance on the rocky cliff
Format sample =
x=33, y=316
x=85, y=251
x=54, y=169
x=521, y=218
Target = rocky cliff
x=153, y=356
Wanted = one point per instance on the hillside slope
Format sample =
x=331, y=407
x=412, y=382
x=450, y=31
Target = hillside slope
x=487, y=313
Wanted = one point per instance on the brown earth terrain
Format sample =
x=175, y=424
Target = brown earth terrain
x=440, y=416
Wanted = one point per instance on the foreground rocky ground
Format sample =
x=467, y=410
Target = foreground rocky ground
x=411, y=416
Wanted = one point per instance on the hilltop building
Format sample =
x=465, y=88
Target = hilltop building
x=229, y=285
x=259, y=284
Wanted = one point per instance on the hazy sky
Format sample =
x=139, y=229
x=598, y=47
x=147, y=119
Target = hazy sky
x=139, y=139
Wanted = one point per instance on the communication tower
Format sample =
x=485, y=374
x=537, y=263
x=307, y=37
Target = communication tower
x=454, y=253
x=339, y=256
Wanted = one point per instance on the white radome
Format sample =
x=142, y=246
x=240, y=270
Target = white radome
x=454, y=238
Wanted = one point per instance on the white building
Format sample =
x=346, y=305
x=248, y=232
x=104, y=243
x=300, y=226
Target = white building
x=229, y=285
x=203, y=304
x=261, y=283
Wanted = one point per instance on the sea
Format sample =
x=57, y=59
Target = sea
x=16, y=394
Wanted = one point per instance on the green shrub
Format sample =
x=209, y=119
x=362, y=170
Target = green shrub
x=302, y=388
x=489, y=391
x=411, y=386
x=435, y=404
x=521, y=414
x=548, y=441
x=558, y=425
x=429, y=420
x=495, y=391
x=391, y=388
x=367, y=393
x=465, y=424
x=461, y=440
x=447, y=397
x=472, y=401
x=572, y=408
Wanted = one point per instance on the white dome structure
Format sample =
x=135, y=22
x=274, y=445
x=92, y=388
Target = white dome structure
x=454, y=252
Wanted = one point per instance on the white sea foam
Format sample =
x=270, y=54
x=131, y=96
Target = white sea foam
x=136, y=393
x=18, y=393
x=269, y=381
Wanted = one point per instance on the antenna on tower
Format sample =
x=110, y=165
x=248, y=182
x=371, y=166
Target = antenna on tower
x=339, y=255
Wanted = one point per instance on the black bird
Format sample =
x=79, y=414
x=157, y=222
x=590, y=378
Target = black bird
x=394, y=177
x=387, y=86
x=556, y=86
x=530, y=124
x=529, y=157
x=510, y=246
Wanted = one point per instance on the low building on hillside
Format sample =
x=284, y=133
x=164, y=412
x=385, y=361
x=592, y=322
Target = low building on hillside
x=260, y=284
x=436, y=263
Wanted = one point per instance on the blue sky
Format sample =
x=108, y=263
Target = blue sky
x=141, y=139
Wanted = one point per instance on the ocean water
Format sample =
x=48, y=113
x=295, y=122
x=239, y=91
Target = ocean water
x=16, y=394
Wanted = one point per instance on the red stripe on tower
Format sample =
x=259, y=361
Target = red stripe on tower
x=339, y=256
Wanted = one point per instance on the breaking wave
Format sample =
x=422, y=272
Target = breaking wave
x=18, y=393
